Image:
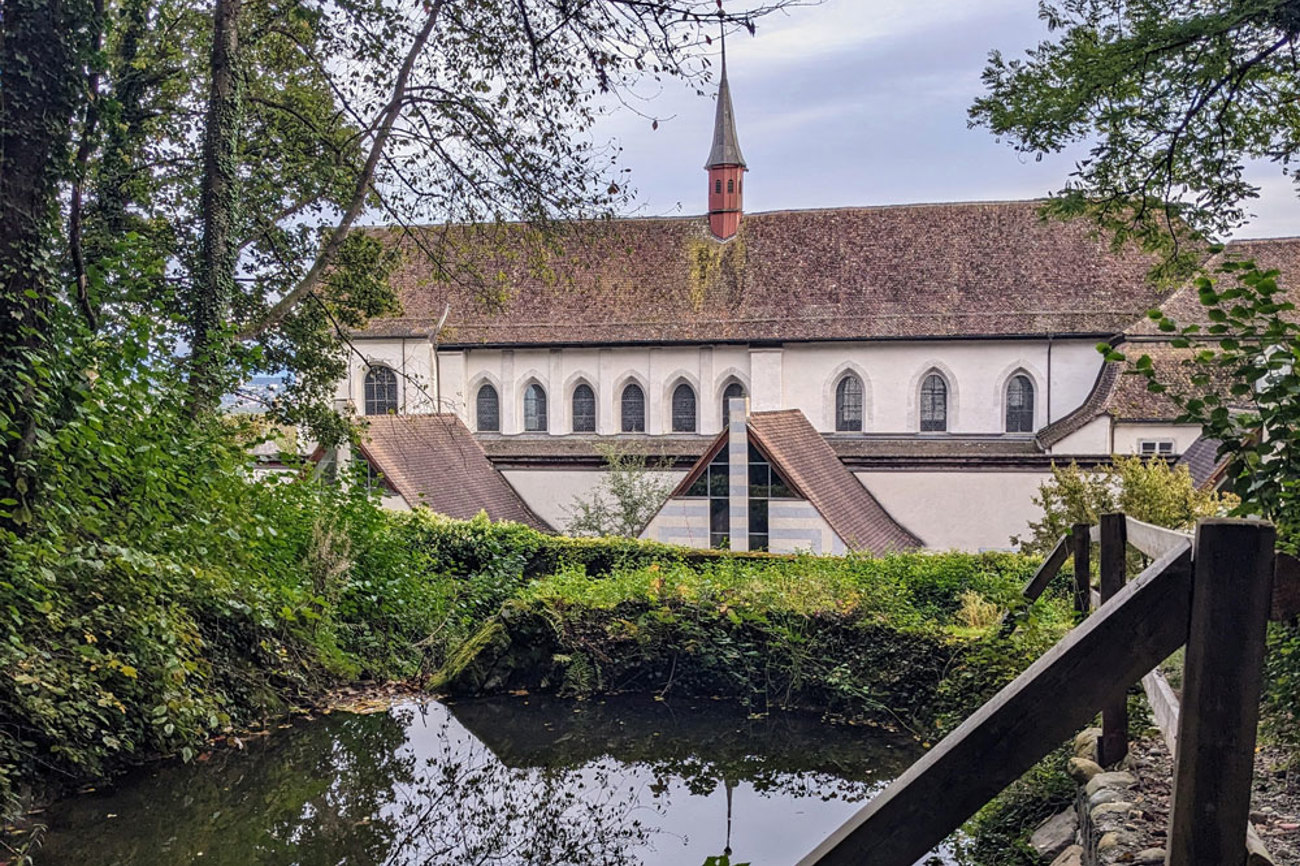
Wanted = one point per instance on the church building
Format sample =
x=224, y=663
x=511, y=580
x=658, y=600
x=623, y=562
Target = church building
x=906, y=374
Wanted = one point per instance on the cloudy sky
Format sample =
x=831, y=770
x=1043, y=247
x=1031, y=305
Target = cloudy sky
x=863, y=102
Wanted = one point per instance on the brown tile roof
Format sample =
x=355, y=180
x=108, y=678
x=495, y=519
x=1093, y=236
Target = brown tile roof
x=806, y=461
x=1124, y=396
x=937, y=270
x=434, y=460
x=1184, y=305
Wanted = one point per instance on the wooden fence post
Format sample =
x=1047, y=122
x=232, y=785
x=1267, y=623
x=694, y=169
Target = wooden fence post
x=1081, y=546
x=1222, y=677
x=1114, y=716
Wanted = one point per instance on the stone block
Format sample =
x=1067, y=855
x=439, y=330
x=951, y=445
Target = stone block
x=1055, y=835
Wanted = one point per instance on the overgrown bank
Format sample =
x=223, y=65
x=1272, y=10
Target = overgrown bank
x=231, y=601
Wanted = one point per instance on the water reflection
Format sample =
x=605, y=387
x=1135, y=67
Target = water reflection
x=517, y=782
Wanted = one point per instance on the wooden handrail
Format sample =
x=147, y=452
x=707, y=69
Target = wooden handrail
x=1213, y=593
x=1058, y=694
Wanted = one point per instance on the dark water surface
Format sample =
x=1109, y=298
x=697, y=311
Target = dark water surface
x=521, y=781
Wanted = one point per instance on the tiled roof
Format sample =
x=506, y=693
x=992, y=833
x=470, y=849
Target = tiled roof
x=806, y=461
x=1203, y=462
x=434, y=460
x=912, y=271
x=1124, y=396
x=1184, y=305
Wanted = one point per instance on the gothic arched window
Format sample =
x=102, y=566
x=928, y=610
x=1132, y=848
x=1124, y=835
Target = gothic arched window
x=731, y=392
x=535, y=409
x=584, y=409
x=848, y=405
x=633, y=409
x=683, y=409
x=487, y=410
x=1020, y=404
x=934, y=404
x=381, y=391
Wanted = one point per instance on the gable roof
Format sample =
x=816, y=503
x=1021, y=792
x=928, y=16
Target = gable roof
x=975, y=269
x=1203, y=462
x=435, y=461
x=804, y=458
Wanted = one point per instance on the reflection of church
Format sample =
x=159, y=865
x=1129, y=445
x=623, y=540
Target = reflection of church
x=943, y=354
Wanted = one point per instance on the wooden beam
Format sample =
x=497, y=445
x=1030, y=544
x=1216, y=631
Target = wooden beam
x=1222, y=677
x=1153, y=540
x=1049, y=569
x=1286, y=588
x=1113, y=745
x=1045, y=705
x=1081, y=544
x=1164, y=709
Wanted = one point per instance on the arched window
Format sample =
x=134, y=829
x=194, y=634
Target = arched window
x=1020, y=405
x=381, y=391
x=717, y=185
x=633, y=409
x=731, y=184
x=535, y=409
x=731, y=392
x=584, y=409
x=683, y=409
x=934, y=404
x=848, y=405
x=487, y=410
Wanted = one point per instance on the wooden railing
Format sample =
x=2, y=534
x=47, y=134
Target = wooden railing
x=1213, y=592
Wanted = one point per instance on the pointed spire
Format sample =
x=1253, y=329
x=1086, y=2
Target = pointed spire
x=726, y=146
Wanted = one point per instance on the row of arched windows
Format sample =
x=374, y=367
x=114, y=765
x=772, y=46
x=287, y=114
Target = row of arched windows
x=850, y=402
x=1018, y=404
x=632, y=408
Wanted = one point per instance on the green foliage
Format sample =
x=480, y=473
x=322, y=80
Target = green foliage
x=1173, y=97
x=853, y=635
x=631, y=491
x=1148, y=490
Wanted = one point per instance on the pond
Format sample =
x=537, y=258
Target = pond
x=517, y=781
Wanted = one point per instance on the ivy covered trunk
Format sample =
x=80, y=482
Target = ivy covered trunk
x=214, y=284
x=40, y=53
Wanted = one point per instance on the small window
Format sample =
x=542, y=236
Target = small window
x=848, y=405
x=381, y=391
x=1156, y=447
x=731, y=184
x=584, y=409
x=633, y=409
x=732, y=392
x=535, y=409
x=683, y=409
x=487, y=410
x=1020, y=405
x=934, y=404
x=717, y=185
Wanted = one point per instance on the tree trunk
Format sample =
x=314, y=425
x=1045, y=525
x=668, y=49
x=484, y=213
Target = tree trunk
x=40, y=53
x=214, y=284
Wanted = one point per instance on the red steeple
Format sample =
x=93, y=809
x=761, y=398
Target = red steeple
x=726, y=165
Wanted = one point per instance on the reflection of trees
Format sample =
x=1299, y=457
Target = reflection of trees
x=466, y=807
x=313, y=796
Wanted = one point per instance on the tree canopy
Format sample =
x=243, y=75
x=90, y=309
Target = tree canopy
x=1174, y=97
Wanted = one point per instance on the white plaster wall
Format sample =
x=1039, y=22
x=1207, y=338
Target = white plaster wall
x=550, y=492
x=801, y=376
x=681, y=521
x=1127, y=436
x=968, y=511
x=411, y=359
x=794, y=525
x=1091, y=438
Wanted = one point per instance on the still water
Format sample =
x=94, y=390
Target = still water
x=520, y=781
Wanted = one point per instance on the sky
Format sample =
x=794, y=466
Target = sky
x=863, y=102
